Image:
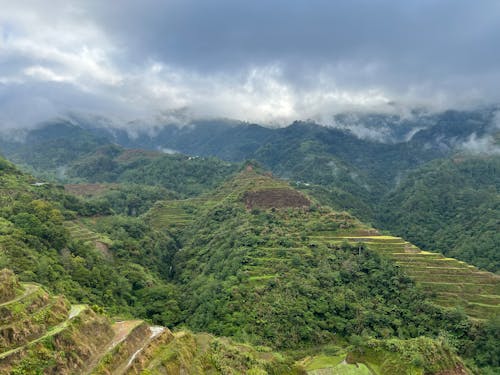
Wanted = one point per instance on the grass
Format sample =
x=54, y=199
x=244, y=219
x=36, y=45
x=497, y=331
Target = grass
x=323, y=361
x=80, y=232
x=74, y=312
x=326, y=365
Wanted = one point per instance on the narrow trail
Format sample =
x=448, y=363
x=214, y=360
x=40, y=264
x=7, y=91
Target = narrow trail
x=155, y=331
x=122, y=330
x=28, y=289
x=75, y=311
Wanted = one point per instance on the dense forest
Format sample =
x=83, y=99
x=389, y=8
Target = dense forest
x=378, y=182
x=220, y=246
x=252, y=259
x=452, y=205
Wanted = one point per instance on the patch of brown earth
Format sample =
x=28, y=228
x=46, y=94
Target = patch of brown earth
x=88, y=190
x=275, y=198
x=103, y=249
x=459, y=370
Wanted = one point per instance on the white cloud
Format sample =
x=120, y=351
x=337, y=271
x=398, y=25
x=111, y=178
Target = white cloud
x=45, y=74
x=59, y=57
x=480, y=145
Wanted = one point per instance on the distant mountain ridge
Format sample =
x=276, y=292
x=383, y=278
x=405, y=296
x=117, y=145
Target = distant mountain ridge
x=364, y=176
x=253, y=259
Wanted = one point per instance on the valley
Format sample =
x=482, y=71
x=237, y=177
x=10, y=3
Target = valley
x=251, y=273
x=249, y=187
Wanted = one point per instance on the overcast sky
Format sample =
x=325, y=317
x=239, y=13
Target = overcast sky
x=264, y=61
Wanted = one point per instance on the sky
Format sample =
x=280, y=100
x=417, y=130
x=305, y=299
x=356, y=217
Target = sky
x=264, y=61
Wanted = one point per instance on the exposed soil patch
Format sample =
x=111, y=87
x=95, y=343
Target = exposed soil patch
x=103, y=249
x=459, y=370
x=275, y=198
x=89, y=190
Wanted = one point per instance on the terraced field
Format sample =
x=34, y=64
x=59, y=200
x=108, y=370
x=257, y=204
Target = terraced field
x=333, y=365
x=448, y=281
x=79, y=232
x=173, y=215
x=176, y=215
x=40, y=333
x=44, y=334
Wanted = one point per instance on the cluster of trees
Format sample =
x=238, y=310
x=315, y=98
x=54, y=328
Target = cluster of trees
x=452, y=206
x=187, y=176
x=35, y=243
x=370, y=179
x=245, y=276
x=253, y=275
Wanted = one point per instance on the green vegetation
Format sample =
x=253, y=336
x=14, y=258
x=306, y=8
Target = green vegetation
x=81, y=341
x=253, y=260
x=244, y=275
x=204, y=354
x=457, y=194
x=181, y=174
x=447, y=281
x=40, y=245
x=421, y=355
x=452, y=205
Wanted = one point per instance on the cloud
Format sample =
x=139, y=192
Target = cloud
x=259, y=61
x=481, y=145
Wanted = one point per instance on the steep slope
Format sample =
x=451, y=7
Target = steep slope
x=81, y=341
x=181, y=174
x=51, y=146
x=264, y=263
x=45, y=239
x=249, y=260
x=354, y=167
x=447, y=281
x=42, y=334
x=274, y=226
x=452, y=205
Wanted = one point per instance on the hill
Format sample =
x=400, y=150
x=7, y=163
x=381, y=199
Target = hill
x=452, y=205
x=43, y=239
x=364, y=165
x=41, y=333
x=293, y=273
x=254, y=260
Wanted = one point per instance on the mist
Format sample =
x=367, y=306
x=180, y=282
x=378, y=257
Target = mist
x=148, y=63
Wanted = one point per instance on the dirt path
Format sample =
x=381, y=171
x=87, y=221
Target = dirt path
x=28, y=289
x=75, y=311
x=122, y=330
x=155, y=331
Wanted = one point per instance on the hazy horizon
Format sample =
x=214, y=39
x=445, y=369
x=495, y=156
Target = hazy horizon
x=263, y=62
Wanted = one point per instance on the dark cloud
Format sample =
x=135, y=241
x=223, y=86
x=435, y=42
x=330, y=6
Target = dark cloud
x=255, y=60
x=449, y=35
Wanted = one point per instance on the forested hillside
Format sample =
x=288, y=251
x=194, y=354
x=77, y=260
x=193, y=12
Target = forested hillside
x=38, y=244
x=370, y=177
x=254, y=260
x=452, y=205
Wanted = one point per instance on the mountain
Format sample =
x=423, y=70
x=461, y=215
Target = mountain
x=253, y=260
x=42, y=333
x=452, y=205
x=365, y=176
x=264, y=263
x=51, y=146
